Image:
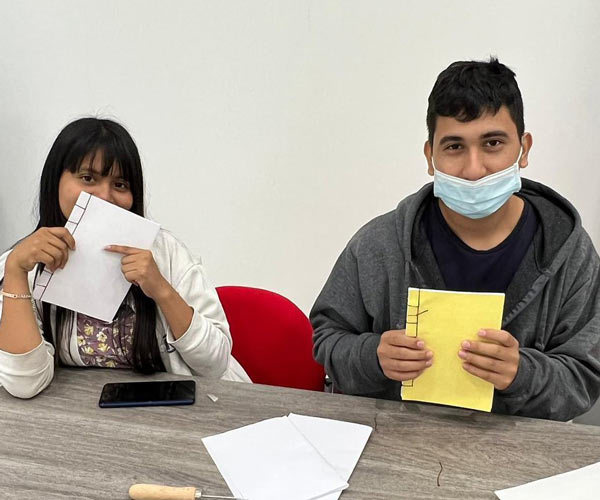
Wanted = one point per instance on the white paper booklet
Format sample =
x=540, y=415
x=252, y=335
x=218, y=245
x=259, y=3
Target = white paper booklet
x=92, y=282
x=295, y=457
x=578, y=484
x=340, y=443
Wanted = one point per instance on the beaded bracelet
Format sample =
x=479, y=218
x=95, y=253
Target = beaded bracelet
x=16, y=295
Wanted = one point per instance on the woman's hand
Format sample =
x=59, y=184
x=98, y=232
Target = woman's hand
x=48, y=245
x=138, y=267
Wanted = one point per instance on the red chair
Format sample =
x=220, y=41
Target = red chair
x=272, y=338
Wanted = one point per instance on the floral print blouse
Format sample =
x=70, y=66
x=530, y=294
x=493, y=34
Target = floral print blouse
x=106, y=345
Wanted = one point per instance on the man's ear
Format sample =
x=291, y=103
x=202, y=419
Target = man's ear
x=527, y=144
x=427, y=151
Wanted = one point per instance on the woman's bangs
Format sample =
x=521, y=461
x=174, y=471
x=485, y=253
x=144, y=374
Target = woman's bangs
x=115, y=159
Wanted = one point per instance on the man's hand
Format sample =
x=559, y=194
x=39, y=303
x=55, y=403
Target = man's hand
x=495, y=359
x=401, y=357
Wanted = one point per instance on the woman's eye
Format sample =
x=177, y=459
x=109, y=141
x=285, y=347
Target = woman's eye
x=123, y=186
x=86, y=178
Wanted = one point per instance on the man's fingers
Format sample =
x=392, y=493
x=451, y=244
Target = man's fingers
x=407, y=366
x=400, y=339
x=492, y=350
x=502, y=337
x=403, y=376
x=404, y=353
x=401, y=357
x=491, y=377
x=483, y=362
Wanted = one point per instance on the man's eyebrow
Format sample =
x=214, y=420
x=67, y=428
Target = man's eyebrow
x=450, y=138
x=494, y=133
x=487, y=135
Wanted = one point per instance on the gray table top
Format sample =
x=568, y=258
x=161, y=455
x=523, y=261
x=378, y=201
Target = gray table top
x=61, y=445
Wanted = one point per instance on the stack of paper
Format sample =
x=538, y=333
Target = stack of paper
x=295, y=457
x=579, y=484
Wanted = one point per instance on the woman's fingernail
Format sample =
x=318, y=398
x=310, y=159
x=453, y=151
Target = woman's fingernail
x=462, y=354
x=429, y=363
x=466, y=345
x=420, y=344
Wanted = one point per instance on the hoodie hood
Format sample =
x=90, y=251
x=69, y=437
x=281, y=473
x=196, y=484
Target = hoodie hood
x=558, y=232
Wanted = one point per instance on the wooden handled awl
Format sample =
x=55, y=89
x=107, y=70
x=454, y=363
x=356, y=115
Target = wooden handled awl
x=160, y=492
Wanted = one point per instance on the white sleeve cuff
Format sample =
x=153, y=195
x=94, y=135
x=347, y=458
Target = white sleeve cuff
x=25, y=375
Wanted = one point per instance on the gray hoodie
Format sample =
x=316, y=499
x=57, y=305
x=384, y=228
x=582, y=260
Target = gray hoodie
x=552, y=306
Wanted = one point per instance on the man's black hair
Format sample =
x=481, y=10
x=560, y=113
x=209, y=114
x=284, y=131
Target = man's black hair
x=465, y=90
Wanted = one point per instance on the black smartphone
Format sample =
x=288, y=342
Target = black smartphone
x=155, y=393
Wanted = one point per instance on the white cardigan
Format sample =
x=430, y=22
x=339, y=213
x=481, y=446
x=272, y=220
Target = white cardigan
x=204, y=349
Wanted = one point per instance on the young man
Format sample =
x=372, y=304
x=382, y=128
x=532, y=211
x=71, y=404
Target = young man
x=478, y=227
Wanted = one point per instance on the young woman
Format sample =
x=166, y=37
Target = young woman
x=171, y=320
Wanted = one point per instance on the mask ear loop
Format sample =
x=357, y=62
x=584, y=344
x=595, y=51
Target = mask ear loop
x=521, y=151
x=433, y=164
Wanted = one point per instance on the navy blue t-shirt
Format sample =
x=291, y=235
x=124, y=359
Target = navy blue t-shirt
x=469, y=270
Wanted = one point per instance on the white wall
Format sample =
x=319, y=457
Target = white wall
x=271, y=130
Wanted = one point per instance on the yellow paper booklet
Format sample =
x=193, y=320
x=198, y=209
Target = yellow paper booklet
x=443, y=319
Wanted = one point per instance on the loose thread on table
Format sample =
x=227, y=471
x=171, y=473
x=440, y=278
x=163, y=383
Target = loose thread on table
x=440, y=472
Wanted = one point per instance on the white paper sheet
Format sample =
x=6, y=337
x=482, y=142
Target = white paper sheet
x=579, y=484
x=271, y=460
x=92, y=282
x=340, y=443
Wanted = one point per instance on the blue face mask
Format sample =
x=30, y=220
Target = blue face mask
x=480, y=198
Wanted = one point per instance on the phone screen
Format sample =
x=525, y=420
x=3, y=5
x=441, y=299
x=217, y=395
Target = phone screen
x=156, y=393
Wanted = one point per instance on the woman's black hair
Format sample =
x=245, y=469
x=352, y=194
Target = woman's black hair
x=82, y=140
x=467, y=89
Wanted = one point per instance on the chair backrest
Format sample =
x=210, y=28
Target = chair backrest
x=272, y=338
